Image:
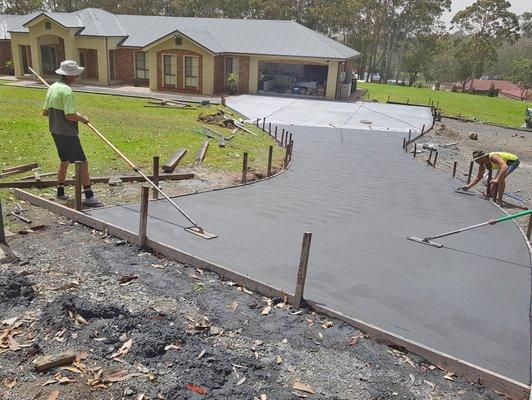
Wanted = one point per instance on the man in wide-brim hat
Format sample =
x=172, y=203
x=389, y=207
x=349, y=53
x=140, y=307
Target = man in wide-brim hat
x=60, y=108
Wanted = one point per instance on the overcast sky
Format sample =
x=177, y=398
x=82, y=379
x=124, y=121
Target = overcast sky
x=518, y=7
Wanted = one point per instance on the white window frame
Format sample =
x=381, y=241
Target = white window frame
x=163, y=72
x=145, y=72
x=185, y=86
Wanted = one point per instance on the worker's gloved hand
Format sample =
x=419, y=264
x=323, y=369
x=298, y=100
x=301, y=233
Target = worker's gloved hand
x=464, y=188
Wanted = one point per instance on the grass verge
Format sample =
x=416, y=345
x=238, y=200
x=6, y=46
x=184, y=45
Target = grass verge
x=496, y=110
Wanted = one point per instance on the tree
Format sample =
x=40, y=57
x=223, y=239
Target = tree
x=417, y=56
x=522, y=76
x=526, y=24
x=20, y=6
x=487, y=23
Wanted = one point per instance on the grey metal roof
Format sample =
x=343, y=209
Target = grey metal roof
x=218, y=35
x=10, y=23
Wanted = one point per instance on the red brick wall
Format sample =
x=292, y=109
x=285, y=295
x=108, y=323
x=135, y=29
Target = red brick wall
x=180, y=67
x=124, y=65
x=243, y=75
x=91, y=63
x=219, y=81
x=5, y=54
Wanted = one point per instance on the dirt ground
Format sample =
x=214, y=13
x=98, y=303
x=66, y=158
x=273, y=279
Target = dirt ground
x=451, y=137
x=170, y=331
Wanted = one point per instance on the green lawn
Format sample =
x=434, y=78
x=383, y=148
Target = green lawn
x=138, y=131
x=497, y=110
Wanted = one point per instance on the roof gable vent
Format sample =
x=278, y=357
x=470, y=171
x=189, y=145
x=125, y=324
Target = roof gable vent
x=47, y=25
x=178, y=40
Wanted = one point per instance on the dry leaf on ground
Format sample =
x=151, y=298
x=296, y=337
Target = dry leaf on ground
x=196, y=389
x=127, y=279
x=123, y=350
x=53, y=395
x=303, y=387
x=266, y=310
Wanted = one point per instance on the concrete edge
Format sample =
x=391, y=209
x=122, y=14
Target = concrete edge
x=476, y=374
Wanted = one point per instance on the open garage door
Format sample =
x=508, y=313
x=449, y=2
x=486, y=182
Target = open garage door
x=296, y=79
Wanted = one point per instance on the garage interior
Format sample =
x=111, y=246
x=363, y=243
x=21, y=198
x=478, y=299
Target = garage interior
x=292, y=79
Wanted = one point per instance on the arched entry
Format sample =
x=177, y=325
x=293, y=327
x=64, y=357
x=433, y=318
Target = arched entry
x=51, y=51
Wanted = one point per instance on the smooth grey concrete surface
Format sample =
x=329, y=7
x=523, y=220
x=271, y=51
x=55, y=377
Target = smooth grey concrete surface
x=361, y=196
x=325, y=113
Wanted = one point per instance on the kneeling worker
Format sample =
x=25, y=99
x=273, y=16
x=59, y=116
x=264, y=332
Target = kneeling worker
x=506, y=163
x=60, y=108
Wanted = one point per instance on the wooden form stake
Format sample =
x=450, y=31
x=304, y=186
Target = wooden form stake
x=409, y=135
x=415, y=149
x=276, y=133
x=282, y=138
x=529, y=230
x=77, y=185
x=270, y=128
x=435, y=158
x=290, y=138
x=143, y=222
x=291, y=148
x=430, y=157
x=244, y=167
x=155, y=193
x=286, y=155
x=2, y=231
x=404, y=144
x=270, y=157
x=257, y=122
x=470, y=172
x=455, y=164
x=263, y=123
x=423, y=130
x=302, y=271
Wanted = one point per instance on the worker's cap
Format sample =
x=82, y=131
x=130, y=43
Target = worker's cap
x=477, y=154
x=69, y=68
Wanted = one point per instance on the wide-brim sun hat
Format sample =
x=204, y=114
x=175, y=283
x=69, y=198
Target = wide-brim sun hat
x=69, y=68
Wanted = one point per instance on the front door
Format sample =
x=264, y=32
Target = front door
x=49, y=59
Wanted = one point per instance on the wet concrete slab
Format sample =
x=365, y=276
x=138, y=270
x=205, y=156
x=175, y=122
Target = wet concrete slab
x=361, y=196
x=324, y=113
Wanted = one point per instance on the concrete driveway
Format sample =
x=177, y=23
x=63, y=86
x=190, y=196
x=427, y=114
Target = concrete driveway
x=323, y=113
x=361, y=196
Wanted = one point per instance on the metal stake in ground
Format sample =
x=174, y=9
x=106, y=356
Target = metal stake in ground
x=244, y=167
x=455, y=164
x=156, y=176
x=428, y=240
x=302, y=271
x=2, y=231
x=470, y=172
x=195, y=229
x=143, y=221
x=270, y=156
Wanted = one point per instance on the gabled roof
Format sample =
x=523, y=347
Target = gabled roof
x=217, y=35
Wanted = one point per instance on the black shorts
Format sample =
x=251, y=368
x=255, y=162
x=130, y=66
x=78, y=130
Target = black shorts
x=69, y=148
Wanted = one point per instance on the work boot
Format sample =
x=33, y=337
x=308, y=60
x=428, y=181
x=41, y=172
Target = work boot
x=93, y=201
x=64, y=197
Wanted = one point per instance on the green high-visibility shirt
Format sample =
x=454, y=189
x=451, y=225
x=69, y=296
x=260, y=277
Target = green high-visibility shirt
x=60, y=101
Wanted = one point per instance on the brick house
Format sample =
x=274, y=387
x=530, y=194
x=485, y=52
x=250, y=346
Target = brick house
x=188, y=55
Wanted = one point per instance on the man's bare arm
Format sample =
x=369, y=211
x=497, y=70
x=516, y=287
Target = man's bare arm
x=77, y=117
x=502, y=165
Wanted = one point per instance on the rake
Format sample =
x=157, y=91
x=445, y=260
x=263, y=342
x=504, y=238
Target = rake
x=428, y=240
x=195, y=228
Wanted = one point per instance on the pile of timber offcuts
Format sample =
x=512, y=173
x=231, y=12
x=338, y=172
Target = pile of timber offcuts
x=220, y=118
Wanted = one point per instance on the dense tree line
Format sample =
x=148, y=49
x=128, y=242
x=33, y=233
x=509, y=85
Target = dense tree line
x=399, y=40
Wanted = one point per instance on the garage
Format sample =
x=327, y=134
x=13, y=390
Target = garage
x=292, y=79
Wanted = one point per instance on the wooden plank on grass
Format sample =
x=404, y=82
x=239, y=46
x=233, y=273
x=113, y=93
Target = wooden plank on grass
x=200, y=155
x=18, y=169
x=172, y=162
x=104, y=179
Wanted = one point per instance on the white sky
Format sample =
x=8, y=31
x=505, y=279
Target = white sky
x=518, y=7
